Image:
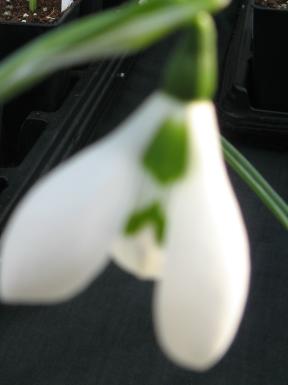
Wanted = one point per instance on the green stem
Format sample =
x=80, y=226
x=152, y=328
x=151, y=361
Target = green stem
x=191, y=73
x=256, y=182
x=32, y=5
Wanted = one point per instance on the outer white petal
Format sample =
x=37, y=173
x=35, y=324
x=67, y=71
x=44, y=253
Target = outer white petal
x=58, y=237
x=200, y=300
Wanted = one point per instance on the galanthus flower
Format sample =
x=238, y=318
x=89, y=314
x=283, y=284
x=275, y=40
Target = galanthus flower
x=194, y=242
x=155, y=197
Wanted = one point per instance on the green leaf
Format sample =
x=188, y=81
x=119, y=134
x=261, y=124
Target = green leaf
x=150, y=216
x=166, y=158
x=116, y=32
x=256, y=182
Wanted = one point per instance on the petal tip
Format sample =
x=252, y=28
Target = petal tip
x=199, y=360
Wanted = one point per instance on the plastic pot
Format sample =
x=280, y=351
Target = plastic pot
x=49, y=95
x=113, y=3
x=270, y=61
x=246, y=106
x=44, y=139
x=14, y=35
x=90, y=6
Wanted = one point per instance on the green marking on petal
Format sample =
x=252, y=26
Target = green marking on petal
x=166, y=158
x=152, y=215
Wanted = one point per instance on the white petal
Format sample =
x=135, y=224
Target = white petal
x=200, y=300
x=58, y=237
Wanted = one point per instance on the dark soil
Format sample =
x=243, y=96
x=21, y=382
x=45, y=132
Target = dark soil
x=47, y=12
x=278, y=4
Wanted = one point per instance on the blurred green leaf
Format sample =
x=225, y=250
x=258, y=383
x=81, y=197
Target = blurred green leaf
x=256, y=182
x=116, y=32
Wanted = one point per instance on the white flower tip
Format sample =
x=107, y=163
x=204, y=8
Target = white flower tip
x=33, y=276
x=40, y=262
x=200, y=355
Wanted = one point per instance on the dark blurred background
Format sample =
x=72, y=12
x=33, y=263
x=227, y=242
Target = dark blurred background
x=105, y=336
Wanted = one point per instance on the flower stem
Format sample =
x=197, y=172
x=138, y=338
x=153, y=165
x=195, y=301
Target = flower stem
x=256, y=182
x=191, y=73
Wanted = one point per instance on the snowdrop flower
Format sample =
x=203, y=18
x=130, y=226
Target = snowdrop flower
x=155, y=196
x=182, y=228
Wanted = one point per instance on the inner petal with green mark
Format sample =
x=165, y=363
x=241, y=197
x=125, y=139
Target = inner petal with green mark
x=153, y=216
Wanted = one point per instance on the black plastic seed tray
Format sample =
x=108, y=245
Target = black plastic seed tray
x=236, y=102
x=45, y=138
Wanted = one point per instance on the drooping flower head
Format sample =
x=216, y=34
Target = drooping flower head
x=155, y=194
